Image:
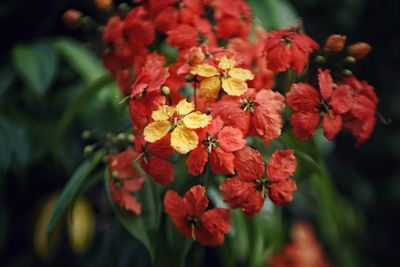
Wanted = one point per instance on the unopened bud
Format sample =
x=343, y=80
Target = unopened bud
x=335, y=42
x=71, y=17
x=359, y=50
x=189, y=78
x=114, y=174
x=121, y=137
x=124, y=7
x=86, y=135
x=131, y=138
x=347, y=72
x=196, y=56
x=165, y=90
x=104, y=5
x=320, y=59
x=350, y=60
x=87, y=150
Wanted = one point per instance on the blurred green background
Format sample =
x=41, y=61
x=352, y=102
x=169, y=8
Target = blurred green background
x=42, y=74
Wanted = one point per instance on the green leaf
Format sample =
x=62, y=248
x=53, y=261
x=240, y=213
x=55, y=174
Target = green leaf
x=133, y=224
x=7, y=76
x=81, y=59
x=72, y=188
x=36, y=64
x=77, y=104
x=274, y=14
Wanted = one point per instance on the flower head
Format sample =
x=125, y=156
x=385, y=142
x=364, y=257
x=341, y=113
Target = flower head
x=181, y=120
x=250, y=187
x=192, y=219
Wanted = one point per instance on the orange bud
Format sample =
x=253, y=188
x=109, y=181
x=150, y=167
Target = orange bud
x=359, y=50
x=71, y=17
x=196, y=56
x=104, y=4
x=335, y=42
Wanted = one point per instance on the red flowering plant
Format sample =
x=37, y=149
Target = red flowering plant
x=219, y=112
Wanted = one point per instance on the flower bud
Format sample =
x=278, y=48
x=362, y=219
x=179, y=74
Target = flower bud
x=88, y=150
x=359, y=50
x=350, y=60
x=86, y=135
x=320, y=59
x=189, y=78
x=121, y=137
x=347, y=72
x=335, y=43
x=165, y=90
x=104, y=5
x=196, y=56
x=71, y=17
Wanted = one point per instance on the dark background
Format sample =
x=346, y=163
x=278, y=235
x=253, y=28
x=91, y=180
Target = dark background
x=369, y=177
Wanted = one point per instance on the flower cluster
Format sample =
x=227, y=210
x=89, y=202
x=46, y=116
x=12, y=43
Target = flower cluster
x=205, y=103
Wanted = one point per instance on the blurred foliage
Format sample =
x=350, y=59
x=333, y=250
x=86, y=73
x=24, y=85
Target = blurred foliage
x=53, y=88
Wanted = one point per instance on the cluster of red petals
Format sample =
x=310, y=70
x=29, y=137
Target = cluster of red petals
x=254, y=112
x=217, y=144
x=308, y=104
x=249, y=188
x=192, y=219
x=288, y=48
x=125, y=180
x=304, y=250
x=154, y=158
x=360, y=119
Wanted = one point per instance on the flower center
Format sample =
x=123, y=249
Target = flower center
x=175, y=120
x=210, y=142
x=248, y=104
x=262, y=186
x=287, y=40
x=193, y=222
x=324, y=106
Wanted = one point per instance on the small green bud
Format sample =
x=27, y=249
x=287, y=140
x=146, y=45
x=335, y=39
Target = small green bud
x=87, y=150
x=165, y=90
x=320, y=59
x=121, y=137
x=350, y=60
x=347, y=72
x=131, y=138
x=189, y=78
x=85, y=135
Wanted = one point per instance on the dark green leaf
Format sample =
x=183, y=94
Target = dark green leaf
x=81, y=59
x=76, y=105
x=36, y=64
x=7, y=76
x=72, y=188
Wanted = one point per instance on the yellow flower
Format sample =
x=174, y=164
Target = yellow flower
x=231, y=79
x=182, y=121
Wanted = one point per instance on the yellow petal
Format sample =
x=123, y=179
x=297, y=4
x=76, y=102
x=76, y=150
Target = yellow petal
x=156, y=130
x=184, y=139
x=184, y=107
x=226, y=63
x=241, y=74
x=209, y=88
x=196, y=120
x=204, y=70
x=234, y=86
x=163, y=113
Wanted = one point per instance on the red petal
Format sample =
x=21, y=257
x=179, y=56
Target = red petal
x=282, y=192
x=214, y=224
x=215, y=126
x=196, y=160
x=222, y=162
x=302, y=97
x=133, y=185
x=161, y=148
x=129, y=202
x=175, y=207
x=267, y=123
x=341, y=99
x=304, y=124
x=196, y=201
x=281, y=166
x=278, y=58
x=122, y=165
x=299, y=58
x=325, y=83
x=331, y=124
x=160, y=169
x=249, y=164
x=242, y=194
x=231, y=139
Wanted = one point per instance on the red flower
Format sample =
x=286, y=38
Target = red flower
x=151, y=77
x=249, y=188
x=125, y=180
x=138, y=27
x=191, y=218
x=217, y=143
x=360, y=119
x=307, y=104
x=154, y=158
x=258, y=112
x=288, y=49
